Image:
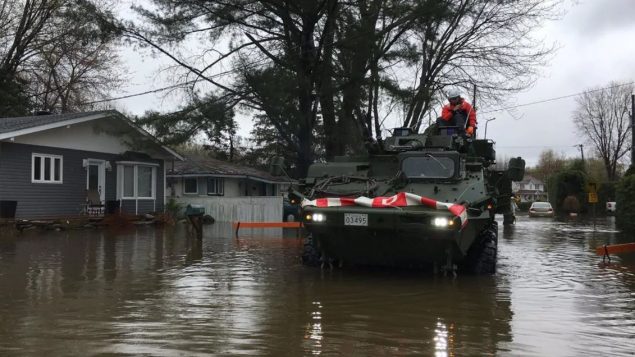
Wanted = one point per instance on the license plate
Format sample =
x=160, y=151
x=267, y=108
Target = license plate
x=355, y=219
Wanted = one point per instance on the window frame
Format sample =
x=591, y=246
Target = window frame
x=431, y=159
x=185, y=192
x=220, y=186
x=135, y=180
x=52, y=159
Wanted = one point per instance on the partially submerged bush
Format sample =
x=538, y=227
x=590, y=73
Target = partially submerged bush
x=625, y=204
x=174, y=209
x=569, y=184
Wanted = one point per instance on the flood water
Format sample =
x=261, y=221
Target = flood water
x=155, y=292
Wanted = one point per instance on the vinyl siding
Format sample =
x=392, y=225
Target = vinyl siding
x=53, y=199
x=232, y=187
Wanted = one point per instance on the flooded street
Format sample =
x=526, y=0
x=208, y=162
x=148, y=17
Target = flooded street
x=155, y=292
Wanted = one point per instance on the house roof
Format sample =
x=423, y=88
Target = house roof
x=529, y=178
x=531, y=192
x=9, y=125
x=201, y=165
x=17, y=126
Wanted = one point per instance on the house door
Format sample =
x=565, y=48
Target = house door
x=96, y=178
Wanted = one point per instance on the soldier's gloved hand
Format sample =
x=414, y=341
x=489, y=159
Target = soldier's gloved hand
x=469, y=131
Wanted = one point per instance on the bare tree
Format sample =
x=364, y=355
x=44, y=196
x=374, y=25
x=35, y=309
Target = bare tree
x=480, y=43
x=549, y=164
x=21, y=25
x=75, y=69
x=603, y=117
x=55, y=54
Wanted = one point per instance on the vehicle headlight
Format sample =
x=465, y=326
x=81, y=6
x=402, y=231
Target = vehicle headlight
x=316, y=217
x=441, y=222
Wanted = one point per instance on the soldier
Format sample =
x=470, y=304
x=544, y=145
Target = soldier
x=458, y=112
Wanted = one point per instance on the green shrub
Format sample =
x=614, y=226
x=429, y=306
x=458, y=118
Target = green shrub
x=568, y=183
x=174, y=209
x=625, y=204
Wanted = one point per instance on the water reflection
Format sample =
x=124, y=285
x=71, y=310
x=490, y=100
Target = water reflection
x=314, y=330
x=160, y=292
x=441, y=340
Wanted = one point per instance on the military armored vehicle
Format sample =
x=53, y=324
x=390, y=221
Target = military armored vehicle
x=424, y=200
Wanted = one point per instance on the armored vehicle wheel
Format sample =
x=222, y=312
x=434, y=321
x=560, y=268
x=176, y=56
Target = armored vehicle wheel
x=494, y=229
x=310, y=254
x=481, y=258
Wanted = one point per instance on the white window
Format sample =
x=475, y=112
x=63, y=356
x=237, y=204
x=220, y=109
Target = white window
x=190, y=186
x=138, y=181
x=46, y=168
x=215, y=186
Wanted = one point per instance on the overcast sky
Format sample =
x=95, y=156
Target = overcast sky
x=596, y=42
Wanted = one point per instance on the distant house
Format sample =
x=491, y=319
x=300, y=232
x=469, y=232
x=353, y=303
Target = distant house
x=530, y=189
x=69, y=164
x=228, y=191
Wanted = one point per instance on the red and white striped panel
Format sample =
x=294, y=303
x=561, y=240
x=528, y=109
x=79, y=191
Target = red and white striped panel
x=401, y=199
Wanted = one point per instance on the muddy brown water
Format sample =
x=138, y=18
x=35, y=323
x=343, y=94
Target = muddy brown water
x=155, y=292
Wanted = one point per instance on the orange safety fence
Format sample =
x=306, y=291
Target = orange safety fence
x=239, y=225
x=615, y=248
x=267, y=224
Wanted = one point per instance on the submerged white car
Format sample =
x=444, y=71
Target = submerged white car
x=541, y=209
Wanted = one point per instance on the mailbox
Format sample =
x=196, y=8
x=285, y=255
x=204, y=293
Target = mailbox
x=195, y=210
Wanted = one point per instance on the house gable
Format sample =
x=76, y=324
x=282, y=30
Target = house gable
x=107, y=131
x=84, y=136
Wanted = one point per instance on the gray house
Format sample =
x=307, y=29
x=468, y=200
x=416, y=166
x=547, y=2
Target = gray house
x=228, y=192
x=70, y=164
x=199, y=175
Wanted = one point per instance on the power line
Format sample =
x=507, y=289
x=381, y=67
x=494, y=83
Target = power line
x=252, y=64
x=533, y=146
x=139, y=94
x=247, y=66
x=174, y=85
x=557, y=98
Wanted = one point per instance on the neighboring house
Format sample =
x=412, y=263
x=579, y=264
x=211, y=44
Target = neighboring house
x=203, y=176
x=229, y=192
x=530, y=189
x=53, y=164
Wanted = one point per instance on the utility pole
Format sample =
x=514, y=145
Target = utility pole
x=581, y=152
x=632, y=130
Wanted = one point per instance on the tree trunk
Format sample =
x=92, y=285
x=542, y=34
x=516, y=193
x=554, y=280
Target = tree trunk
x=326, y=90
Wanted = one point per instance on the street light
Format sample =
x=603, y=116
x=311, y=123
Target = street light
x=487, y=122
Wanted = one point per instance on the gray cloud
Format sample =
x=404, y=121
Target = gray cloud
x=595, y=17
